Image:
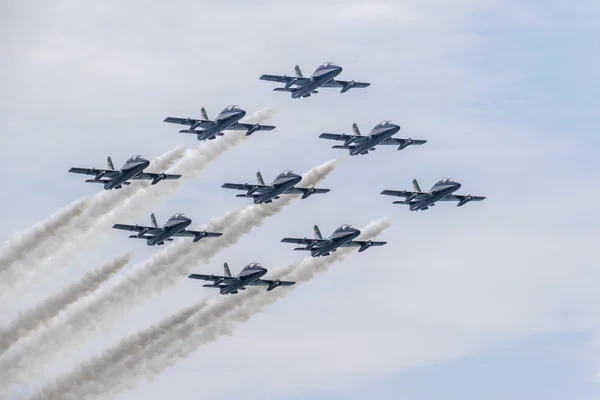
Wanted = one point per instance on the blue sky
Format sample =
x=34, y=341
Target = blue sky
x=496, y=299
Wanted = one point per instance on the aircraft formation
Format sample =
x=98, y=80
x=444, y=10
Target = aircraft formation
x=285, y=183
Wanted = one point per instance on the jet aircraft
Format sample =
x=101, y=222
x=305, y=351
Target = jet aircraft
x=382, y=133
x=342, y=237
x=175, y=226
x=115, y=179
x=305, y=86
x=206, y=129
x=249, y=276
x=284, y=183
x=443, y=190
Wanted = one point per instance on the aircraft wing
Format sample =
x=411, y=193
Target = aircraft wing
x=187, y=121
x=152, y=176
x=341, y=84
x=150, y=230
x=363, y=244
x=344, y=137
x=402, y=142
x=223, y=279
x=305, y=241
x=299, y=81
x=462, y=197
x=406, y=193
x=271, y=284
x=107, y=173
x=195, y=234
x=244, y=186
x=240, y=126
x=306, y=191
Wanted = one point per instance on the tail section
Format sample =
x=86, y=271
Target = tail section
x=153, y=219
x=203, y=113
x=259, y=178
x=111, y=166
x=416, y=186
x=317, y=232
x=355, y=129
x=226, y=269
x=298, y=72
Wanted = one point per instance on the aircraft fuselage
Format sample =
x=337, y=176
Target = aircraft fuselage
x=127, y=172
x=338, y=239
x=223, y=121
x=246, y=278
x=318, y=79
x=376, y=136
x=170, y=228
x=280, y=185
x=438, y=193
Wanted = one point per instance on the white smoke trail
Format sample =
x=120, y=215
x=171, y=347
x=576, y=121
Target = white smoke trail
x=23, y=244
x=106, y=376
x=31, y=320
x=60, y=242
x=116, y=356
x=108, y=207
x=148, y=279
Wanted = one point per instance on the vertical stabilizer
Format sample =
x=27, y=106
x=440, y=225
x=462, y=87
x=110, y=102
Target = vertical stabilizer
x=416, y=186
x=317, y=232
x=355, y=129
x=260, y=179
x=204, y=114
x=226, y=269
x=110, y=164
x=298, y=72
x=153, y=220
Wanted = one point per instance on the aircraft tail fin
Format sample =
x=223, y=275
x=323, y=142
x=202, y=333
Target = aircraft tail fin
x=110, y=164
x=298, y=72
x=259, y=178
x=355, y=129
x=416, y=185
x=203, y=112
x=317, y=232
x=226, y=269
x=153, y=219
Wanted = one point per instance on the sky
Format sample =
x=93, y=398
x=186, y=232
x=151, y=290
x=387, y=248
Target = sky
x=496, y=299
